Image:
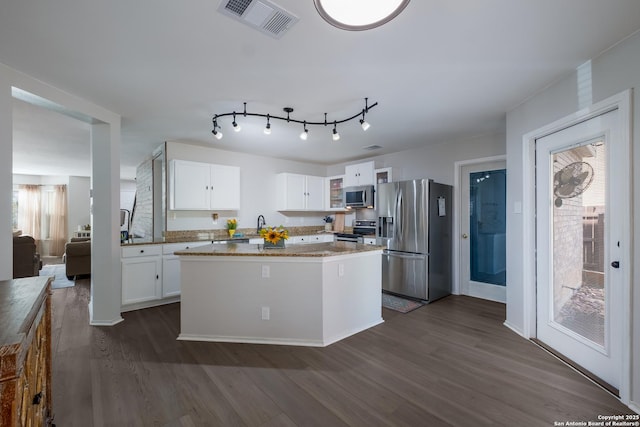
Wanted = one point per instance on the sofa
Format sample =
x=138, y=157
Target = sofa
x=77, y=257
x=26, y=260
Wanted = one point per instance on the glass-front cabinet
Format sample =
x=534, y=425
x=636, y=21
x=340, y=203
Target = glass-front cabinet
x=335, y=193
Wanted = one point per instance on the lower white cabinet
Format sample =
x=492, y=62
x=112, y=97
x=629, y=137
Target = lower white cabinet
x=314, y=238
x=141, y=273
x=171, y=267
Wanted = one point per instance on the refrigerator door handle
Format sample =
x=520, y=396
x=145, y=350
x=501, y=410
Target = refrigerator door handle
x=405, y=256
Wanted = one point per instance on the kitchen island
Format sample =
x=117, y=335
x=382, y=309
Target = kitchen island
x=308, y=295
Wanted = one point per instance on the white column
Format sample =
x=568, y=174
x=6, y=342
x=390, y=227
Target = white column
x=106, y=287
x=6, y=177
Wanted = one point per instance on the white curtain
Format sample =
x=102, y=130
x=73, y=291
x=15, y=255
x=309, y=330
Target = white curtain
x=29, y=208
x=58, y=225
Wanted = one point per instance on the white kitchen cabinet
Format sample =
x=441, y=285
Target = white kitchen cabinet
x=313, y=238
x=141, y=273
x=300, y=192
x=334, y=193
x=359, y=174
x=383, y=175
x=171, y=266
x=203, y=186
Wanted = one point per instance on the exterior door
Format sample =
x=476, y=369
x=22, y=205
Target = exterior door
x=578, y=245
x=483, y=231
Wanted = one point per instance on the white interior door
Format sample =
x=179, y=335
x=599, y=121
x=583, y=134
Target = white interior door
x=579, y=236
x=483, y=269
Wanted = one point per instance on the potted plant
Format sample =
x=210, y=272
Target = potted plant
x=328, y=223
x=232, y=224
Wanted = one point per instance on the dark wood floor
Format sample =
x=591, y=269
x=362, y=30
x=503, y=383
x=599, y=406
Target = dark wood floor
x=451, y=363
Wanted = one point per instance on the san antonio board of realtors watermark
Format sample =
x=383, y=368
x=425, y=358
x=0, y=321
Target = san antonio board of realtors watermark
x=632, y=420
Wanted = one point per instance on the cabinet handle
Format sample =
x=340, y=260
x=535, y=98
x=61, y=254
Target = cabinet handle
x=141, y=251
x=37, y=399
x=157, y=277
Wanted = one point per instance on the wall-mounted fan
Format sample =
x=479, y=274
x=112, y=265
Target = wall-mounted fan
x=571, y=181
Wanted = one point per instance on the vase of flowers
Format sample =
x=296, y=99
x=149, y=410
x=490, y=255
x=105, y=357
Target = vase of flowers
x=232, y=224
x=274, y=237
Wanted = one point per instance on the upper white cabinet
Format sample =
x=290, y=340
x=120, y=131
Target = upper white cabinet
x=300, y=192
x=334, y=193
x=203, y=186
x=359, y=174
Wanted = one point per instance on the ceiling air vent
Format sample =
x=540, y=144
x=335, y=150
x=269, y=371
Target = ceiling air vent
x=371, y=147
x=262, y=15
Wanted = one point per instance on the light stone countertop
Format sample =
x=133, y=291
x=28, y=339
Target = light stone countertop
x=299, y=250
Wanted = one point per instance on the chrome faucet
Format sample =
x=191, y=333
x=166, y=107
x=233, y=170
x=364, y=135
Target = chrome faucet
x=261, y=223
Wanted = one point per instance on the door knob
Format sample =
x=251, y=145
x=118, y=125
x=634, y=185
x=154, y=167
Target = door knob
x=615, y=264
x=465, y=235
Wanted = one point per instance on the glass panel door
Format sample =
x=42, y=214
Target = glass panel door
x=482, y=243
x=578, y=241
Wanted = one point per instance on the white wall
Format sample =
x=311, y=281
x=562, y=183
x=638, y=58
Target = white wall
x=435, y=161
x=78, y=201
x=105, y=288
x=257, y=189
x=614, y=71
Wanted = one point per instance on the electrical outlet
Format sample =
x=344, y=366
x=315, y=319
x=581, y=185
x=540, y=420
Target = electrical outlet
x=265, y=313
x=340, y=270
x=266, y=272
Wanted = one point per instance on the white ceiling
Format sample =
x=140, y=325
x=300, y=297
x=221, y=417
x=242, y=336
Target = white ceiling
x=441, y=71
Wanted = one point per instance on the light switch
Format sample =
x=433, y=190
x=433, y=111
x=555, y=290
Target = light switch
x=266, y=272
x=265, y=313
x=517, y=207
x=340, y=270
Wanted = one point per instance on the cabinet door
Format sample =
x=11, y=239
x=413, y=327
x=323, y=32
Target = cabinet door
x=334, y=193
x=170, y=276
x=359, y=174
x=225, y=187
x=141, y=279
x=295, y=191
x=189, y=185
x=315, y=193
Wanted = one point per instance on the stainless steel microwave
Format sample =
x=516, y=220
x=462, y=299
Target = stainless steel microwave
x=359, y=197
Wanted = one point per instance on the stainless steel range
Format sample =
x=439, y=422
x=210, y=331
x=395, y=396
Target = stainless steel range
x=361, y=228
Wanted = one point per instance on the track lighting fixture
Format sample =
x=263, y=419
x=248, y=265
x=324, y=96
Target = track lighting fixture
x=267, y=130
x=336, y=135
x=365, y=125
x=236, y=126
x=215, y=132
x=305, y=133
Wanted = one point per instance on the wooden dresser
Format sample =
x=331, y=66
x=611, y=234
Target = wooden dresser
x=25, y=352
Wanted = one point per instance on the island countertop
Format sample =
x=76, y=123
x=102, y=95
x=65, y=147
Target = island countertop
x=298, y=250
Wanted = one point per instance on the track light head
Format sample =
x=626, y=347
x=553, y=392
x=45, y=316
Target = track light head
x=267, y=129
x=217, y=134
x=365, y=125
x=336, y=135
x=305, y=132
x=236, y=126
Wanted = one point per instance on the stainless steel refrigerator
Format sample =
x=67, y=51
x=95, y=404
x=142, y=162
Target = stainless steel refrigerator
x=415, y=226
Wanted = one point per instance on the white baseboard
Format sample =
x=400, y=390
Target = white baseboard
x=514, y=329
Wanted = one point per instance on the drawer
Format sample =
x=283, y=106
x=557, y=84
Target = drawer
x=141, y=250
x=170, y=248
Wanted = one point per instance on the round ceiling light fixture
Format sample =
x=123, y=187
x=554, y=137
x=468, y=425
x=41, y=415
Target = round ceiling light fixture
x=357, y=15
